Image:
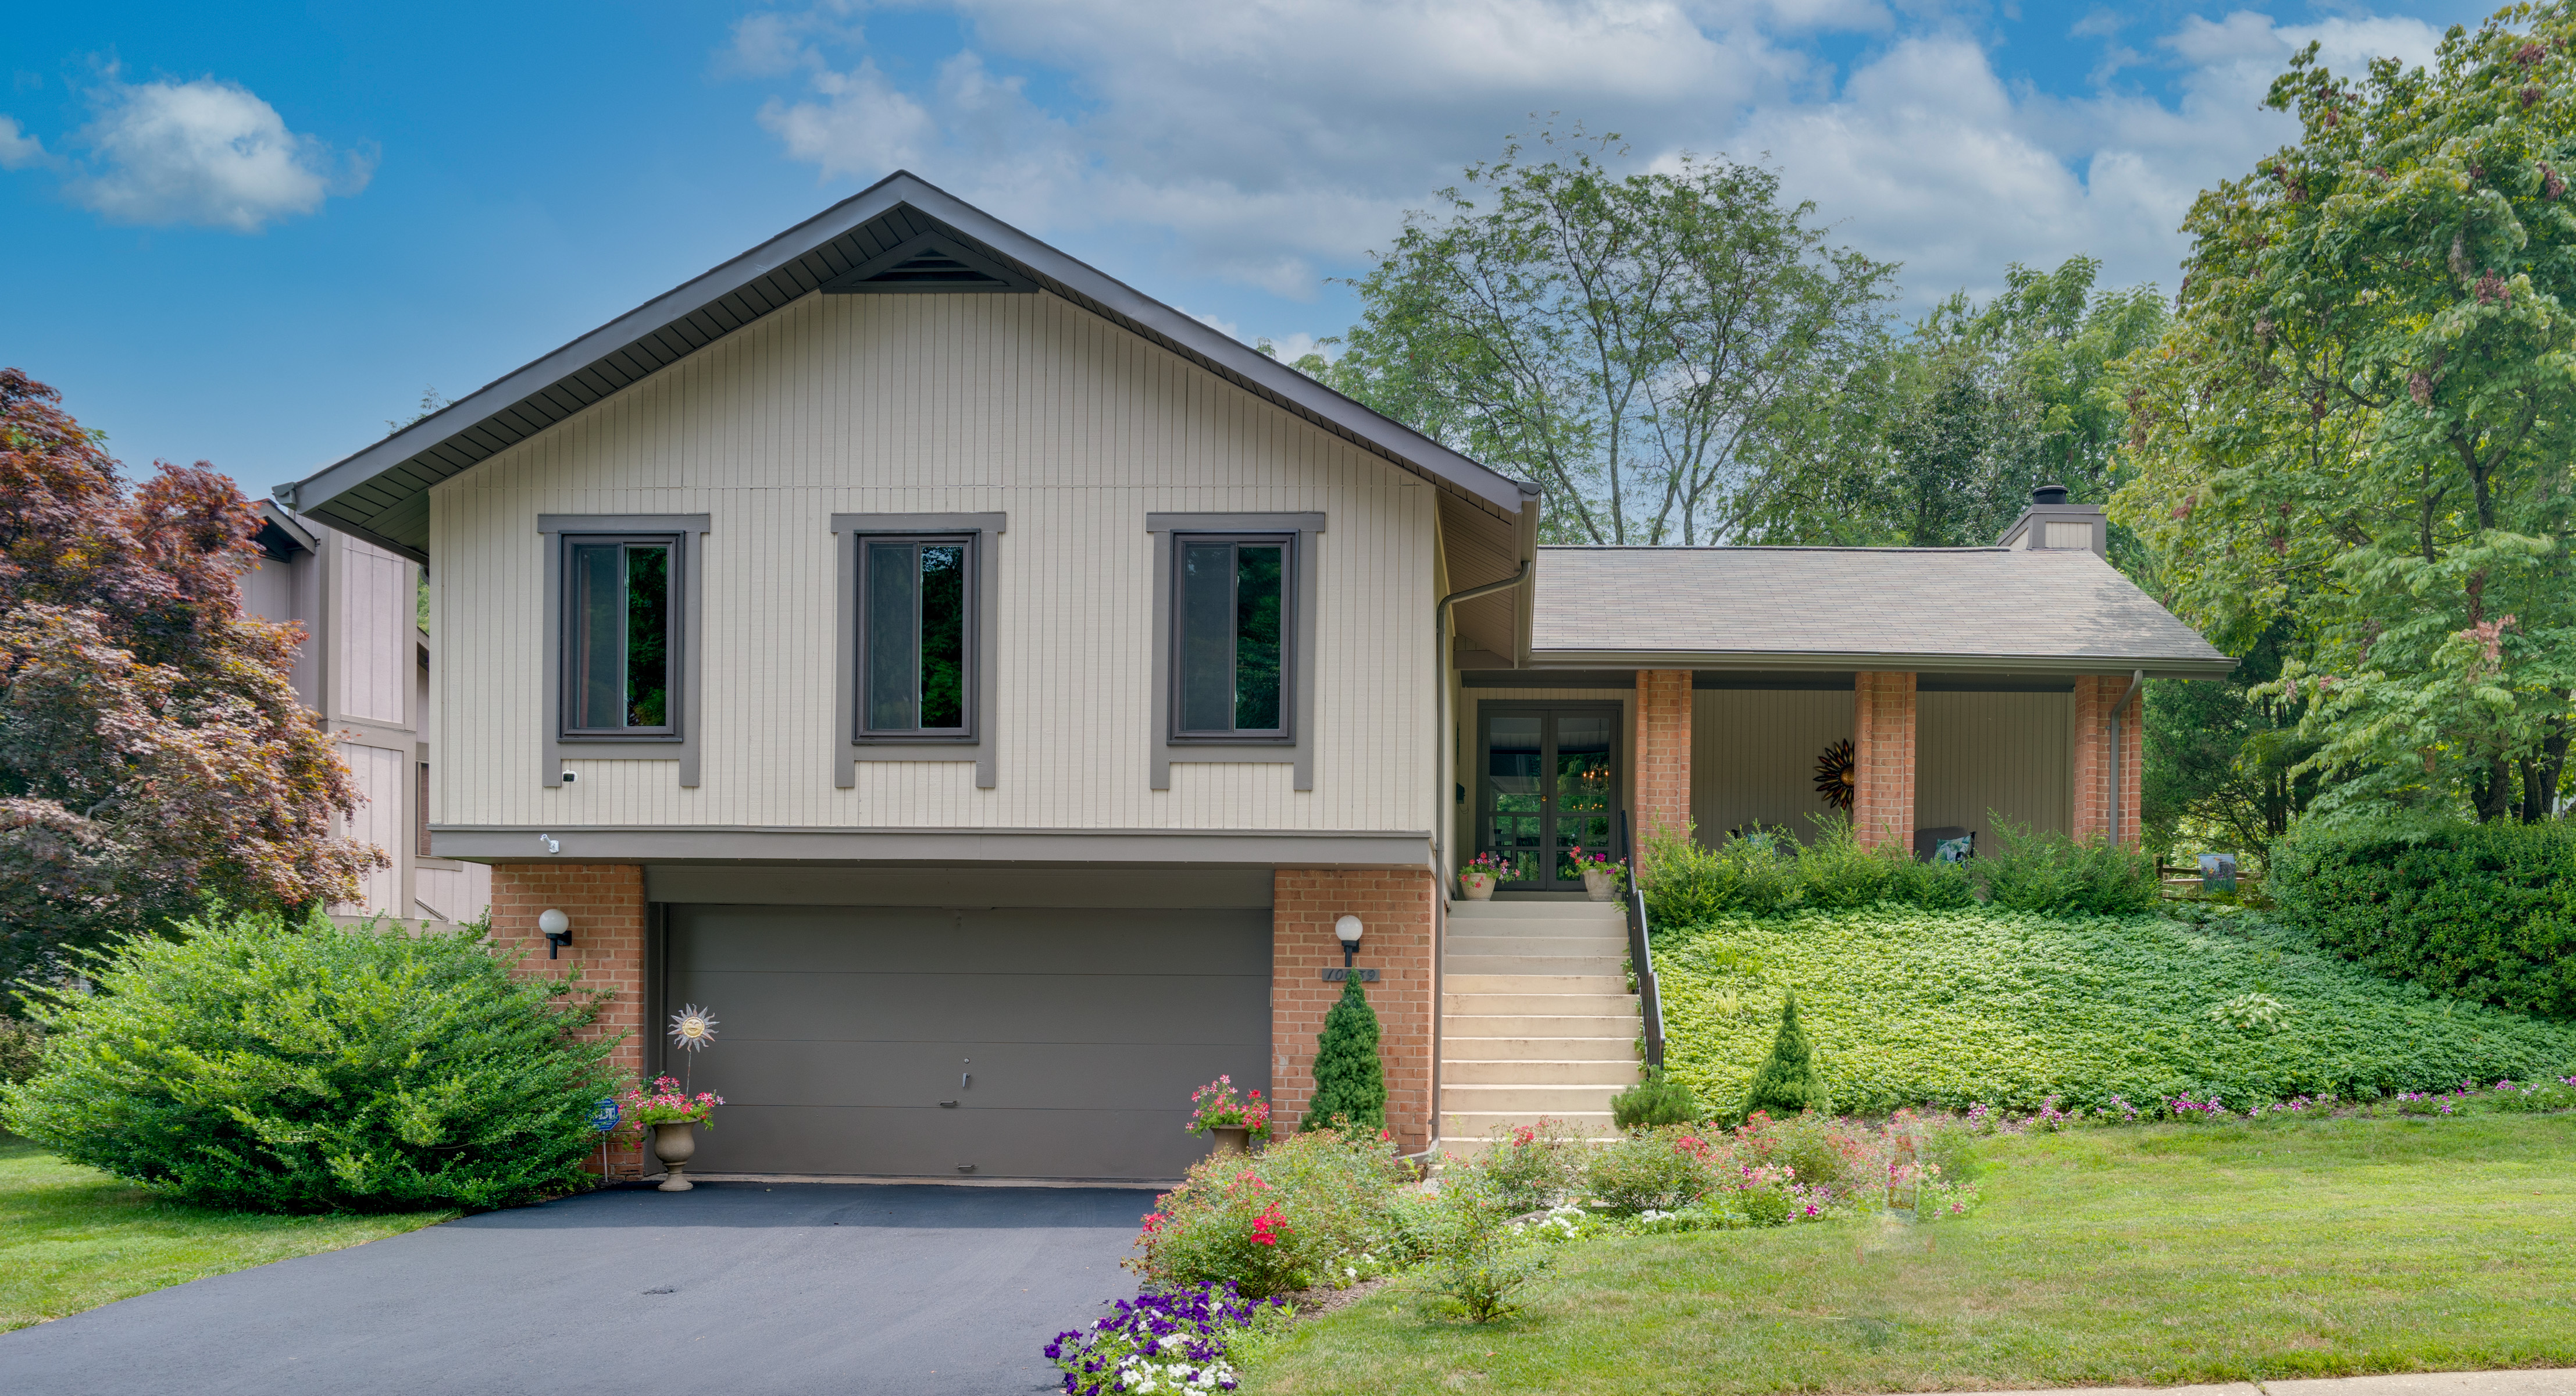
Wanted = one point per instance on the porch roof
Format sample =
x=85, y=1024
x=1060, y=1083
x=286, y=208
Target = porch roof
x=1982, y=610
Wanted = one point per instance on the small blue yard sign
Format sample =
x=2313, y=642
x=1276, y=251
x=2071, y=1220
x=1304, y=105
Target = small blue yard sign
x=604, y=1118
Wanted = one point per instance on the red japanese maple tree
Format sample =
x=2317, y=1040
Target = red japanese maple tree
x=152, y=749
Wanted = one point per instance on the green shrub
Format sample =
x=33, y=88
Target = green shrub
x=1318, y=1207
x=2480, y=911
x=1685, y=882
x=1958, y=1008
x=1478, y=1259
x=1529, y=1167
x=21, y=1045
x=1787, y=1084
x=257, y=1065
x=1657, y=1100
x=1350, y=1082
x=2053, y=872
x=1656, y=1170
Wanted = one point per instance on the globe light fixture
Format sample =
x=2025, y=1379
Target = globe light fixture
x=1348, y=930
x=558, y=929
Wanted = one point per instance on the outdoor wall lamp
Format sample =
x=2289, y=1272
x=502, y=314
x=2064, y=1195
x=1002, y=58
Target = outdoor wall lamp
x=558, y=929
x=1348, y=929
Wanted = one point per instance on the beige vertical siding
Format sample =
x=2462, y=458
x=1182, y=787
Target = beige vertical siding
x=930, y=403
x=373, y=633
x=383, y=821
x=1753, y=757
x=1979, y=755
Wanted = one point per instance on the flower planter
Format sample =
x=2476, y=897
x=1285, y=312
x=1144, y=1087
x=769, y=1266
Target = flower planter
x=674, y=1145
x=1601, y=884
x=1476, y=886
x=1230, y=1140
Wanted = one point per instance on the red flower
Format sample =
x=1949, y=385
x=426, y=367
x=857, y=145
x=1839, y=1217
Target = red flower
x=1269, y=1226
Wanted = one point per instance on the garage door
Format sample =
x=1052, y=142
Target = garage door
x=1019, y=1042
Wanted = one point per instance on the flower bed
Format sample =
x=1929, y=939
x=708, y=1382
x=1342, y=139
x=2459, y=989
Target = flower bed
x=1175, y=1341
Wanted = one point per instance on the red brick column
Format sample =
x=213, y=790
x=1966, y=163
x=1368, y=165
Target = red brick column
x=2095, y=695
x=606, y=904
x=1395, y=907
x=1883, y=759
x=1663, y=745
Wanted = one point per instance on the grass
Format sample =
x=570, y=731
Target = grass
x=2131, y=1256
x=73, y=1238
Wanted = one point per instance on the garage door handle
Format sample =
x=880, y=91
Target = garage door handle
x=948, y=1105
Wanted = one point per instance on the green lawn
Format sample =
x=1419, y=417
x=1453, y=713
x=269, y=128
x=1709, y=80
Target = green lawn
x=73, y=1238
x=2153, y=1255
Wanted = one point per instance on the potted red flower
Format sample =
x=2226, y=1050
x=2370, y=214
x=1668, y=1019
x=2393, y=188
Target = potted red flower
x=672, y=1116
x=1232, y=1120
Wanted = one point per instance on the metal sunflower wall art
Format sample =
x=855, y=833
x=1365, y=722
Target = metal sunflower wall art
x=692, y=1029
x=1834, y=775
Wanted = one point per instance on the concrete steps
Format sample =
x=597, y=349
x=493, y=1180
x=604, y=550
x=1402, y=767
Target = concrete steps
x=1536, y=1018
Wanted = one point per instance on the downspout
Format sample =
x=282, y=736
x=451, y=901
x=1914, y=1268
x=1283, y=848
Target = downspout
x=2137, y=680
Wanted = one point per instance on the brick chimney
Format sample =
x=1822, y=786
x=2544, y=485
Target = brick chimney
x=2050, y=522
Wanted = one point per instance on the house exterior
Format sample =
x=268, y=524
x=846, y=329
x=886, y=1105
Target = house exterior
x=364, y=671
x=984, y=688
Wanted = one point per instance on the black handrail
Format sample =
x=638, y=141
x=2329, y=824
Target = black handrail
x=1641, y=951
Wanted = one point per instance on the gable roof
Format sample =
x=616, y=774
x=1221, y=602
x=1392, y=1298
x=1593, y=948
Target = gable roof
x=900, y=234
x=1971, y=610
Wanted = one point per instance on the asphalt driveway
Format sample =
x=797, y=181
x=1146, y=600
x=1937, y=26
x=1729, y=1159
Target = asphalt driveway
x=735, y=1288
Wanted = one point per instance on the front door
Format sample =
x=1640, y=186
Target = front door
x=1549, y=789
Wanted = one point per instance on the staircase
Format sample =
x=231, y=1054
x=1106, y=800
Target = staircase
x=1536, y=1017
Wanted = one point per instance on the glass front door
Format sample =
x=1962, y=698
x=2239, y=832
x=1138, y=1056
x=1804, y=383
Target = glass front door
x=1549, y=789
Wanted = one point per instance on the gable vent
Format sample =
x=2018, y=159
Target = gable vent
x=931, y=262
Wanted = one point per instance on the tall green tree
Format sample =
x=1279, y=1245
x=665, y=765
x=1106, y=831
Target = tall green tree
x=1639, y=344
x=1350, y=1081
x=2360, y=419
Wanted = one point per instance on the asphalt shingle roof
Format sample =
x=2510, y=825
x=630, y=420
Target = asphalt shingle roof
x=1978, y=605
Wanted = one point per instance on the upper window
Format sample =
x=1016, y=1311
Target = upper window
x=1231, y=625
x=916, y=641
x=623, y=632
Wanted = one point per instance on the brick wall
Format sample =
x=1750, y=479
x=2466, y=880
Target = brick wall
x=2095, y=695
x=1396, y=908
x=1663, y=747
x=606, y=904
x=1883, y=758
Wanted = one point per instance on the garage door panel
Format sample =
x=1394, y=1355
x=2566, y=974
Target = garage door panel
x=842, y=1028
x=1003, y=1075
x=934, y=1143
x=1002, y=1007
x=918, y=940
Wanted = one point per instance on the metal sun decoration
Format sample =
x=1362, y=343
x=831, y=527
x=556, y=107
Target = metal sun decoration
x=1834, y=775
x=691, y=1031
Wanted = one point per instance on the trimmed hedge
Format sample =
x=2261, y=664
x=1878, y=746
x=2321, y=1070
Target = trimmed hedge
x=1766, y=873
x=2479, y=911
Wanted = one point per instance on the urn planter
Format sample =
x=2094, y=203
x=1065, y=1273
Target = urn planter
x=1235, y=1139
x=674, y=1145
x=1601, y=884
x=1476, y=886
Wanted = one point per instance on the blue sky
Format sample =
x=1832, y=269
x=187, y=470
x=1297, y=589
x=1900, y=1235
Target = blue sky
x=252, y=233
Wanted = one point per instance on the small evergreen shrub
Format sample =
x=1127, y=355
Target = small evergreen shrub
x=2051, y=872
x=253, y=1064
x=1657, y=1100
x=1350, y=1081
x=1787, y=1082
x=2479, y=911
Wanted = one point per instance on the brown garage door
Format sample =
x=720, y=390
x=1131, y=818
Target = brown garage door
x=916, y=1041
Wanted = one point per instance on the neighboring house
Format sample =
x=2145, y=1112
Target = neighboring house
x=364, y=670
x=984, y=687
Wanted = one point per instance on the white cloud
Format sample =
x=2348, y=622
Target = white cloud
x=18, y=150
x=205, y=152
x=1265, y=144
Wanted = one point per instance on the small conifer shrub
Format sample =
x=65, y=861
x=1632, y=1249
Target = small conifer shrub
x=1350, y=1082
x=1787, y=1082
x=1657, y=1100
